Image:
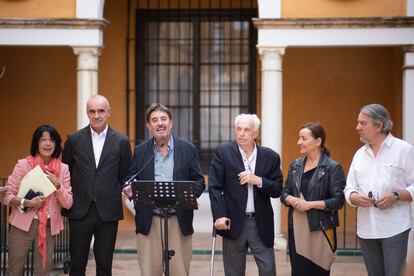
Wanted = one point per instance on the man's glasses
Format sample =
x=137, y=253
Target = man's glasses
x=371, y=195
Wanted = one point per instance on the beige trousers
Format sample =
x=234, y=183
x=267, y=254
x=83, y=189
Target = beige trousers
x=149, y=248
x=19, y=243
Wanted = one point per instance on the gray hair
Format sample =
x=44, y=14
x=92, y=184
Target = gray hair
x=379, y=115
x=252, y=117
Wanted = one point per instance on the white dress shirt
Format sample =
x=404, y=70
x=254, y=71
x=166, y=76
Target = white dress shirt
x=98, y=141
x=391, y=170
x=249, y=165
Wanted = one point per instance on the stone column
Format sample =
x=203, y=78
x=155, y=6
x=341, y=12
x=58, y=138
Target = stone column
x=270, y=8
x=410, y=7
x=271, y=116
x=87, y=79
x=408, y=94
x=408, y=118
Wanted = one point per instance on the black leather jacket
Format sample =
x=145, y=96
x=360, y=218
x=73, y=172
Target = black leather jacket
x=327, y=183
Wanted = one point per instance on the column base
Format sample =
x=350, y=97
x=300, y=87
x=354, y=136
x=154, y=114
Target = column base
x=280, y=242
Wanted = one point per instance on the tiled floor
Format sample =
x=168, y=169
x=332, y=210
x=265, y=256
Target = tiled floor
x=127, y=264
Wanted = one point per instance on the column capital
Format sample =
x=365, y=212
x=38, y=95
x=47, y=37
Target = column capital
x=87, y=57
x=270, y=50
x=82, y=49
x=271, y=57
x=408, y=48
x=408, y=51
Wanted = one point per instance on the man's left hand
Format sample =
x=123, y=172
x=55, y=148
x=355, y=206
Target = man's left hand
x=386, y=201
x=247, y=177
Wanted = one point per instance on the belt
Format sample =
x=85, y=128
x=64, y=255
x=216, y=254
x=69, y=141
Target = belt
x=249, y=215
x=158, y=213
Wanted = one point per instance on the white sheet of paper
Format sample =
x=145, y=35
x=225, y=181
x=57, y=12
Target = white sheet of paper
x=36, y=180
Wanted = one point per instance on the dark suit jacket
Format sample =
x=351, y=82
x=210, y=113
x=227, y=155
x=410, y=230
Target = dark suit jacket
x=228, y=198
x=186, y=167
x=101, y=184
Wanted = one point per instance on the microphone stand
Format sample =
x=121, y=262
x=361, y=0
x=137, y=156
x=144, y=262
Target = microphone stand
x=133, y=177
x=140, y=171
x=165, y=196
x=167, y=254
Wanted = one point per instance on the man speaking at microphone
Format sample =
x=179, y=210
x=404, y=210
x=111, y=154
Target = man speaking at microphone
x=164, y=157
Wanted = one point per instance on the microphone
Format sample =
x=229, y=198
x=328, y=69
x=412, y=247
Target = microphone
x=142, y=168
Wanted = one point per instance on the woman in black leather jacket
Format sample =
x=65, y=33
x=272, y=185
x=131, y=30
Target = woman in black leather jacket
x=314, y=194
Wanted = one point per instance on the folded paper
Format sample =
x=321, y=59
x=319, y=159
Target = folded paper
x=37, y=181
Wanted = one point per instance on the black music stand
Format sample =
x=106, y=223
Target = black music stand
x=165, y=196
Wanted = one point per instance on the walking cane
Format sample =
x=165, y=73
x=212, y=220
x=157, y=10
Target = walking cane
x=213, y=249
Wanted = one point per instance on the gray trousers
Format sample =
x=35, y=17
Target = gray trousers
x=385, y=257
x=234, y=252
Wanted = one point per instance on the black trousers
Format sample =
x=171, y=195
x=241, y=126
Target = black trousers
x=81, y=232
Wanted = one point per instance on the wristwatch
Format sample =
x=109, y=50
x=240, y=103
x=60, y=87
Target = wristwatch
x=397, y=196
x=22, y=204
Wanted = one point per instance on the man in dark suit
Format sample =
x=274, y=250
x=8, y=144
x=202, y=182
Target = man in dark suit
x=243, y=177
x=98, y=159
x=164, y=158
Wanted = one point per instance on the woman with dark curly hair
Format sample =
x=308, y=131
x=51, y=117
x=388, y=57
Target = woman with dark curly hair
x=41, y=220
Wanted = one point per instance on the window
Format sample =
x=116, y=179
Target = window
x=201, y=64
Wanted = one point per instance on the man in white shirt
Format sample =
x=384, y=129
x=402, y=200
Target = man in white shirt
x=381, y=184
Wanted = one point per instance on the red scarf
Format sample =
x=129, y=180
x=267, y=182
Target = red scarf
x=53, y=167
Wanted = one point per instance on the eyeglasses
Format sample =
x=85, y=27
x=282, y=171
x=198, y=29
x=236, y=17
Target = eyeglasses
x=371, y=195
x=46, y=140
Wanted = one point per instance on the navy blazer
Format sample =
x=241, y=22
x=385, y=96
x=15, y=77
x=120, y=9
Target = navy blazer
x=229, y=198
x=186, y=168
x=100, y=184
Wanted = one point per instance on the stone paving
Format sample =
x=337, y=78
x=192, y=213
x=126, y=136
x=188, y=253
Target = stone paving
x=126, y=264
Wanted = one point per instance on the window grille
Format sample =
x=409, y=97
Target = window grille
x=201, y=64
